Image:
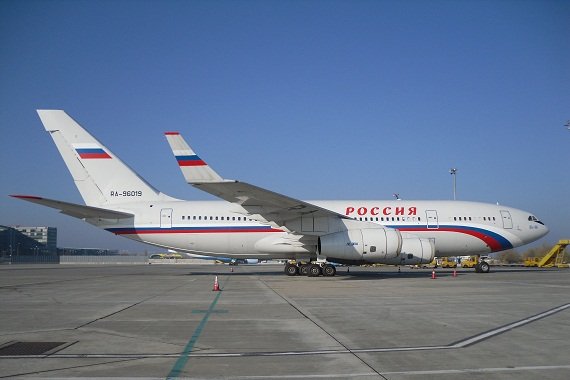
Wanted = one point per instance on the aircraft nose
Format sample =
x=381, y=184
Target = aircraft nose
x=540, y=230
x=544, y=230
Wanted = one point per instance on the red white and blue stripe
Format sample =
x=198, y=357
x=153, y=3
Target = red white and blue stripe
x=495, y=241
x=191, y=230
x=92, y=153
x=191, y=160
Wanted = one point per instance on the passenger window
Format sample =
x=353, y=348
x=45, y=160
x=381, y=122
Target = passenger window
x=372, y=248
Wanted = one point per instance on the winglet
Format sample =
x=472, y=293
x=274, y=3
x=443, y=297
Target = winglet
x=194, y=169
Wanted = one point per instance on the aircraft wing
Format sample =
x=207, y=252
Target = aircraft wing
x=272, y=206
x=76, y=210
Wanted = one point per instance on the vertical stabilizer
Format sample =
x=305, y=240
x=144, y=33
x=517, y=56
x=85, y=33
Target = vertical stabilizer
x=101, y=177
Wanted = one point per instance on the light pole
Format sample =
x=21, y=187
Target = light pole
x=453, y=172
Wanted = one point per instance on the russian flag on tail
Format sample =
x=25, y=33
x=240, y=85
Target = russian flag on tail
x=192, y=160
x=90, y=151
x=194, y=169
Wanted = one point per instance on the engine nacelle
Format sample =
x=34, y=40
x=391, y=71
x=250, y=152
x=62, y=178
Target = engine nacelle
x=414, y=251
x=361, y=245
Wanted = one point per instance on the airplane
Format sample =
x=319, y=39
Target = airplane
x=254, y=223
x=225, y=260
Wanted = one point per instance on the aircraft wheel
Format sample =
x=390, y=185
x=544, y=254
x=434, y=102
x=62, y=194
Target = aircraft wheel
x=291, y=270
x=315, y=270
x=304, y=269
x=329, y=270
x=478, y=268
x=484, y=267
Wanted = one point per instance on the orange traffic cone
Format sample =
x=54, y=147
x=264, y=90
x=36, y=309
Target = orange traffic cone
x=216, y=285
x=433, y=276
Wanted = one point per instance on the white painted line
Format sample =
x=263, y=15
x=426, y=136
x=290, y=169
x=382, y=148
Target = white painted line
x=513, y=325
x=309, y=376
x=461, y=344
x=478, y=370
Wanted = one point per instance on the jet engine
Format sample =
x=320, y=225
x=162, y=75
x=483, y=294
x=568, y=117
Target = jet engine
x=414, y=251
x=361, y=245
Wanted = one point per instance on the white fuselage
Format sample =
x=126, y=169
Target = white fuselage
x=218, y=228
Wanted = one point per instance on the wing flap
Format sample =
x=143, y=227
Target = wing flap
x=76, y=210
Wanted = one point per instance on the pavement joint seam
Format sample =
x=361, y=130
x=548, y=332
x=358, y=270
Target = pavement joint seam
x=352, y=352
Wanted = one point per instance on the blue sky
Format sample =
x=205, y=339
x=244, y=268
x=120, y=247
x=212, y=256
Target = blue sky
x=313, y=99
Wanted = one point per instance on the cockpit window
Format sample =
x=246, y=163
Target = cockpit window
x=533, y=218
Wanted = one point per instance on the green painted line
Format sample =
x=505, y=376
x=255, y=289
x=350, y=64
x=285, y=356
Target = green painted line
x=184, y=356
x=209, y=311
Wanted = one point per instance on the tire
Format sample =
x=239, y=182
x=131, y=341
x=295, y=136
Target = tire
x=315, y=270
x=304, y=269
x=484, y=267
x=329, y=270
x=291, y=270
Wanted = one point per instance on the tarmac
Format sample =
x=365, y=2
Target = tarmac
x=165, y=321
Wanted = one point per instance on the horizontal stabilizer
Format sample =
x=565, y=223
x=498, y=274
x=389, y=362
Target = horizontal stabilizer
x=75, y=210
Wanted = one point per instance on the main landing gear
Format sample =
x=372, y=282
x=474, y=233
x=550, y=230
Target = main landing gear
x=310, y=270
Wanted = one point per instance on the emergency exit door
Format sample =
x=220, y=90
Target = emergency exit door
x=507, y=219
x=166, y=218
x=432, y=222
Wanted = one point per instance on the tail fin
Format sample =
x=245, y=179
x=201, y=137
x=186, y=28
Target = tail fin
x=194, y=169
x=100, y=176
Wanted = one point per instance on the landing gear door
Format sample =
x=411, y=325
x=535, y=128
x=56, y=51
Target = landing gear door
x=166, y=218
x=507, y=220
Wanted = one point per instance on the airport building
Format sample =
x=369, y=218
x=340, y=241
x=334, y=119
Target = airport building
x=28, y=241
x=87, y=252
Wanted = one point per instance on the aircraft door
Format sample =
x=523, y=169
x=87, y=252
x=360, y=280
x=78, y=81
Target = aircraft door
x=507, y=219
x=166, y=218
x=432, y=222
